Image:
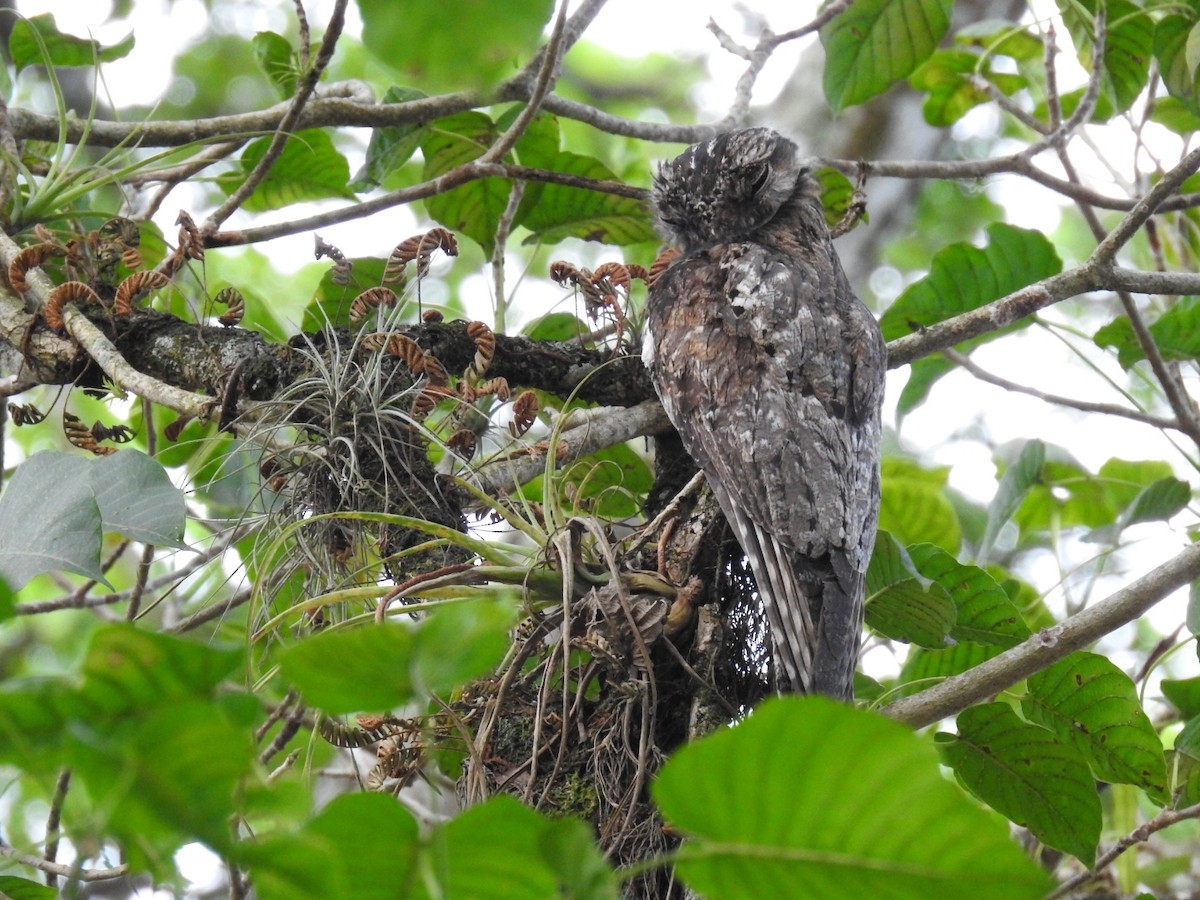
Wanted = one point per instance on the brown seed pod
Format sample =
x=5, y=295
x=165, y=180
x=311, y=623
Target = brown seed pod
x=463, y=443
x=29, y=258
x=235, y=304
x=368, y=300
x=524, y=413
x=26, y=414
x=79, y=435
x=136, y=285
x=66, y=293
x=419, y=248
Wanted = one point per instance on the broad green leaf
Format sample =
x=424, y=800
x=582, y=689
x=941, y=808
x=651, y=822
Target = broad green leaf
x=925, y=668
x=1158, y=501
x=899, y=605
x=360, y=845
x=1172, y=35
x=1184, y=695
x=1015, y=485
x=50, y=494
x=1093, y=706
x=1024, y=772
x=946, y=78
x=8, y=608
x=22, y=889
x=963, y=277
x=275, y=57
x=569, y=848
x=1129, y=41
x=874, y=43
x=472, y=209
x=837, y=195
x=309, y=168
x=554, y=212
x=1002, y=37
x=985, y=615
x=611, y=483
x=492, y=852
x=330, y=305
x=1172, y=114
x=391, y=146
x=61, y=49
x=1184, y=765
x=559, y=326
x=136, y=498
x=382, y=666
x=816, y=800
x=454, y=43
x=1176, y=333
x=914, y=507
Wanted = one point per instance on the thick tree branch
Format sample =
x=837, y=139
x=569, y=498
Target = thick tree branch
x=1047, y=646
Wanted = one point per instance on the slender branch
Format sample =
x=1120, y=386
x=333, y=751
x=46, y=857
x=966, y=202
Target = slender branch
x=1049, y=645
x=287, y=124
x=1109, y=409
x=1141, y=834
x=63, y=871
x=53, y=820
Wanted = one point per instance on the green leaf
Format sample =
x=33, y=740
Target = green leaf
x=925, y=668
x=1184, y=695
x=22, y=889
x=136, y=499
x=1176, y=333
x=874, y=43
x=837, y=195
x=330, y=304
x=360, y=845
x=453, y=43
x=554, y=212
x=1015, y=485
x=309, y=168
x=1172, y=36
x=899, y=605
x=914, y=507
x=50, y=494
x=559, y=326
x=275, y=57
x=381, y=666
x=61, y=49
x=1093, y=706
x=1184, y=762
x=493, y=852
x=570, y=850
x=1025, y=773
x=474, y=208
x=985, y=614
x=1129, y=42
x=391, y=146
x=945, y=77
x=1002, y=37
x=816, y=799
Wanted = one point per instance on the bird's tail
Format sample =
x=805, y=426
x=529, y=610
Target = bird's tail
x=814, y=608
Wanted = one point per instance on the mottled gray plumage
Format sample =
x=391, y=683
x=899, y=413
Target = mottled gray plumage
x=772, y=372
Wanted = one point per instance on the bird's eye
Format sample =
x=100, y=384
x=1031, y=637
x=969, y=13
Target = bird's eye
x=758, y=177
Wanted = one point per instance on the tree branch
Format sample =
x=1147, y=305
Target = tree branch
x=1047, y=646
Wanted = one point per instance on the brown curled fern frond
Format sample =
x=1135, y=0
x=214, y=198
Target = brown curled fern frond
x=524, y=413
x=235, y=306
x=612, y=274
x=118, y=434
x=418, y=248
x=135, y=286
x=369, y=730
x=485, y=348
x=432, y=316
x=29, y=258
x=79, y=435
x=429, y=397
x=661, y=264
x=496, y=386
x=190, y=240
x=463, y=442
x=342, y=267
x=70, y=292
x=26, y=414
x=399, y=345
x=371, y=298
x=173, y=430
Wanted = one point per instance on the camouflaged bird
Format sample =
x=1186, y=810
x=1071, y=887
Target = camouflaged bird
x=772, y=371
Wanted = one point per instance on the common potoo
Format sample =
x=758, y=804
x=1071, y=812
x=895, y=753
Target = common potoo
x=771, y=369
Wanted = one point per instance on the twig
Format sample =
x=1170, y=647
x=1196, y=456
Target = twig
x=1047, y=646
x=63, y=871
x=1109, y=409
x=53, y=820
x=304, y=91
x=1139, y=835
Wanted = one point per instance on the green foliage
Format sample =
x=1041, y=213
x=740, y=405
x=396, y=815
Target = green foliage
x=1176, y=333
x=871, y=45
x=309, y=168
x=815, y=800
x=37, y=41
